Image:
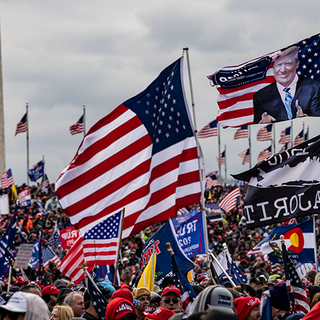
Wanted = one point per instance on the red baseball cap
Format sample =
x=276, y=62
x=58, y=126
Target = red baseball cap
x=20, y=280
x=172, y=289
x=49, y=290
x=160, y=314
x=123, y=293
x=123, y=309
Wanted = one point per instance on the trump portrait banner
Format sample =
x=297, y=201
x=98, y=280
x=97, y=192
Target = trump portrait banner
x=163, y=267
x=299, y=240
x=283, y=186
x=190, y=230
x=281, y=85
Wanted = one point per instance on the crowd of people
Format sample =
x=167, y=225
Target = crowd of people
x=47, y=293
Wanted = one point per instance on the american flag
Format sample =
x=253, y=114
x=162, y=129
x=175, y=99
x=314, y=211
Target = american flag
x=265, y=133
x=306, y=135
x=294, y=284
x=285, y=136
x=241, y=133
x=222, y=158
x=48, y=256
x=299, y=138
x=229, y=201
x=235, y=272
x=182, y=211
x=41, y=209
x=264, y=154
x=97, y=246
x=245, y=155
x=181, y=282
x=275, y=268
x=54, y=240
x=237, y=86
x=142, y=156
x=77, y=127
x=284, y=147
x=22, y=125
x=7, y=179
x=212, y=181
x=210, y=130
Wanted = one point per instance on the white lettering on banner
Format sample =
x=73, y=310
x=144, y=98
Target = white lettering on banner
x=191, y=227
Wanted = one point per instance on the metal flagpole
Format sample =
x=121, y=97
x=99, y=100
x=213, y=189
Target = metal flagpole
x=315, y=247
x=27, y=120
x=274, y=138
x=225, y=164
x=291, y=134
x=195, y=127
x=250, y=162
x=84, y=120
x=219, y=149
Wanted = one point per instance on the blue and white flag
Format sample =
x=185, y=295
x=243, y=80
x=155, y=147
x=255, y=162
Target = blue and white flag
x=191, y=233
x=233, y=270
x=299, y=240
x=214, y=212
x=54, y=240
x=35, y=260
x=37, y=171
x=163, y=268
x=41, y=209
x=7, y=245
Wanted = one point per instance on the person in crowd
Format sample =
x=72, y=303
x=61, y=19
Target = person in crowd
x=279, y=300
x=75, y=301
x=159, y=314
x=32, y=288
x=61, y=313
x=171, y=298
x=49, y=295
x=120, y=308
x=144, y=296
x=247, y=308
x=90, y=311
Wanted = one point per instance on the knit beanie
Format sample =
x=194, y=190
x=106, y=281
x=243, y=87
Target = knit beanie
x=244, y=305
x=279, y=297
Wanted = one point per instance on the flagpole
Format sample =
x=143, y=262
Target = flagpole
x=195, y=127
x=291, y=134
x=249, y=136
x=9, y=278
x=152, y=273
x=219, y=150
x=225, y=165
x=116, y=268
x=84, y=120
x=274, y=138
x=315, y=250
x=27, y=120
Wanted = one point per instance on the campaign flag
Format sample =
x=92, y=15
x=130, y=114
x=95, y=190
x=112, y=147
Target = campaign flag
x=294, y=284
x=48, y=256
x=284, y=186
x=299, y=138
x=163, y=268
x=142, y=156
x=222, y=158
x=22, y=125
x=265, y=133
x=35, y=260
x=68, y=237
x=299, y=239
x=78, y=127
x=97, y=246
x=148, y=274
x=237, y=84
x=212, y=181
x=54, y=240
x=284, y=147
x=7, y=179
x=213, y=211
x=181, y=282
x=7, y=245
x=230, y=200
x=264, y=154
x=245, y=155
x=191, y=233
x=25, y=198
x=242, y=132
x=37, y=171
x=44, y=183
x=210, y=130
x=285, y=136
x=99, y=301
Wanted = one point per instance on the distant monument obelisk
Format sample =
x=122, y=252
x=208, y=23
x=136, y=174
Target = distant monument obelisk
x=2, y=144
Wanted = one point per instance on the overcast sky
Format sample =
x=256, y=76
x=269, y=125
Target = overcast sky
x=59, y=55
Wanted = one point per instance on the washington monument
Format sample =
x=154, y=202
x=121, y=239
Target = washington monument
x=2, y=145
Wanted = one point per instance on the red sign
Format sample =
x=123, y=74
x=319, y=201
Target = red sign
x=68, y=237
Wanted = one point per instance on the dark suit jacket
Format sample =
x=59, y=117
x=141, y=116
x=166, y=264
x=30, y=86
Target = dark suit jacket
x=268, y=100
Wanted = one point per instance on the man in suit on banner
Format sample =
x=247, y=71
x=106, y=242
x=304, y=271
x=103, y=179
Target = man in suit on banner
x=289, y=96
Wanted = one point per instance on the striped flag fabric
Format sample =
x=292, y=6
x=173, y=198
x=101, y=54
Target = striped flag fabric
x=48, y=256
x=78, y=127
x=22, y=125
x=237, y=84
x=142, y=156
x=294, y=284
x=264, y=154
x=284, y=147
x=54, y=240
x=212, y=181
x=237, y=277
x=222, y=158
x=285, y=136
x=210, y=130
x=299, y=138
x=265, y=133
x=242, y=132
x=98, y=246
x=229, y=201
x=245, y=155
x=7, y=179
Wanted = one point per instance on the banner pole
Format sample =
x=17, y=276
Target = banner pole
x=315, y=247
x=9, y=278
x=225, y=165
x=27, y=137
x=117, y=262
x=250, y=149
x=84, y=120
x=219, y=150
x=195, y=127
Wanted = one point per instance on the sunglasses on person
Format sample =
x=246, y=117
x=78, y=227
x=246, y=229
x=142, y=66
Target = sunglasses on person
x=168, y=300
